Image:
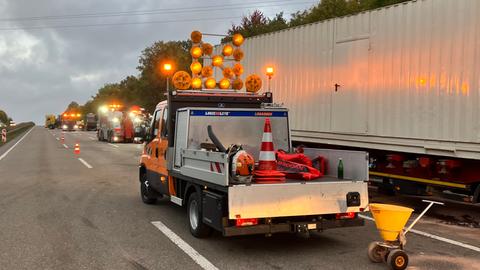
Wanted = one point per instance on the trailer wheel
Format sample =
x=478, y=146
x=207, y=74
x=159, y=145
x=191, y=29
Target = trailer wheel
x=194, y=211
x=376, y=252
x=397, y=259
x=476, y=194
x=148, y=195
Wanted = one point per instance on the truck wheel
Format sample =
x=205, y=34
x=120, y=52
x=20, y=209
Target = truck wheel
x=148, y=195
x=194, y=211
x=397, y=259
x=476, y=195
x=376, y=252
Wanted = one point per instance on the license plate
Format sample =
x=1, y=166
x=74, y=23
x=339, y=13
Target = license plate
x=312, y=226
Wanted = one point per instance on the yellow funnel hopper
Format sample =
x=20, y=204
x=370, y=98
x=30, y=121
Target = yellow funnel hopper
x=390, y=219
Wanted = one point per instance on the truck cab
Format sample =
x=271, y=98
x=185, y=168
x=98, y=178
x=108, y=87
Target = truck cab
x=182, y=162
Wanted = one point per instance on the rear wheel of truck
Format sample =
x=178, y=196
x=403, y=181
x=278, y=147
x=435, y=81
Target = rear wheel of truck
x=148, y=195
x=194, y=211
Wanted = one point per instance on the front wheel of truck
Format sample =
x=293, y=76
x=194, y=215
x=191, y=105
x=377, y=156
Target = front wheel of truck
x=148, y=195
x=194, y=211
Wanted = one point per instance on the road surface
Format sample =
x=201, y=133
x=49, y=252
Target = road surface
x=61, y=212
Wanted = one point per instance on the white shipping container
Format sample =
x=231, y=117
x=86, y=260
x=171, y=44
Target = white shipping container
x=407, y=75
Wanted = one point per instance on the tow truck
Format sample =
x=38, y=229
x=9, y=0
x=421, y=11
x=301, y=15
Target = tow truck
x=114, y=125
x=185, y=161
x=70, y=121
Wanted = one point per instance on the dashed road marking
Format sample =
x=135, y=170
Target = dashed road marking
x=92, y=138
x=189, y=250
x=58, y=139
x=85, y=163
x=13, y=146
x=66, y=146
x=436, y=237
x=111, y=144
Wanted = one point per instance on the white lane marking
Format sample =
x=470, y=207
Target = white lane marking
x=190, y=251
x=436, y=237
x=58, y=139
x=13, y=146
x=66, y=146
x=92, y=138
x=85, y=163
x=111, y=144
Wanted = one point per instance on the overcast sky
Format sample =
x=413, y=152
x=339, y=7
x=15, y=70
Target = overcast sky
x=46, y=60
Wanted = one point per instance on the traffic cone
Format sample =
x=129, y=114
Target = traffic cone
x=267, y=163
x=62, y=139
x=76, y=150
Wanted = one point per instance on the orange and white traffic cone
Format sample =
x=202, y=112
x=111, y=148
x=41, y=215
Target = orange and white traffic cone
x=76, y=150
x=267, y=163
x=62, y=138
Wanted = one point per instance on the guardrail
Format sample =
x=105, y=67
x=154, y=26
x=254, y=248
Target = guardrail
x=14, y=132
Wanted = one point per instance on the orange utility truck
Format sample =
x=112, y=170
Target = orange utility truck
x=206, y=149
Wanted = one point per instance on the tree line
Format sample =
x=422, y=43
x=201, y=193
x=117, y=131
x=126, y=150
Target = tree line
x=148, y=87
x=4, y=118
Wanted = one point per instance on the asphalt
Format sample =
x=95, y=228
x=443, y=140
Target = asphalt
x=55, y=213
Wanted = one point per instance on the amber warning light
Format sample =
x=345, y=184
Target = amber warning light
x=269, y=71
x=167, y=68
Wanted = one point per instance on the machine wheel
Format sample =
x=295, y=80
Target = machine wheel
x=376, y=252
x=194, y=211
x=397, y=259
x=148, y=195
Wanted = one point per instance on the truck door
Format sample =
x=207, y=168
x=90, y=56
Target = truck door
x=350, y=81
x=156, y=150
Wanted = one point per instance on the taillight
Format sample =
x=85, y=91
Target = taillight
x=118, y=130
x=240, y=222
x=348, y=215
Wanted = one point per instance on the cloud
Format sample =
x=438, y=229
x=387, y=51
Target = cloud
x=42, y=70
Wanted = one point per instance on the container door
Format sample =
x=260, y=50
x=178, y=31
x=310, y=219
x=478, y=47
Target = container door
x=350, y=79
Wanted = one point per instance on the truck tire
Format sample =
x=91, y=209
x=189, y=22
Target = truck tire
x=148, y=195
x=476, y=195
x=194, y=212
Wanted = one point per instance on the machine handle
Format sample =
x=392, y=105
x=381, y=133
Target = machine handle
x=156, y=152
x=336, y=87
x=431, y=203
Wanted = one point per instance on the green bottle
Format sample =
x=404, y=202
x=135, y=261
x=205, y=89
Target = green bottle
x=340, y=169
